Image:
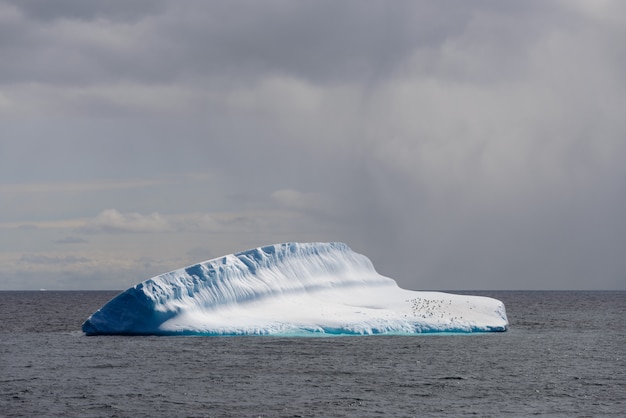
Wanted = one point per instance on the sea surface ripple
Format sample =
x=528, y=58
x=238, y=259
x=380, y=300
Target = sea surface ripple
x=564, y=355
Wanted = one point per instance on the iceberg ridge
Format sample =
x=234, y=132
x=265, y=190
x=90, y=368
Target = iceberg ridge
x=288, y=289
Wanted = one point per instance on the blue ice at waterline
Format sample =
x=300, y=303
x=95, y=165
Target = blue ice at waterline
x=289, y=289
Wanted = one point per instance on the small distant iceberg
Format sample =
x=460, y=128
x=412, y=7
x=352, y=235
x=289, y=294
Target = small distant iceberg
x=290, y=289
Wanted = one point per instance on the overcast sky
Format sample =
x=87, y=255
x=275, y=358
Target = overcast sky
x=457, y=144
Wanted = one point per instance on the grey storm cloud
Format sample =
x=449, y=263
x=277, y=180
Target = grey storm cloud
x=126, y=11
x=73, y=42
x=457, y=144
x=71, y=240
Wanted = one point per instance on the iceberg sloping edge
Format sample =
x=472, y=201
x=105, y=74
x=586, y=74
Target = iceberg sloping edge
x=289, y=289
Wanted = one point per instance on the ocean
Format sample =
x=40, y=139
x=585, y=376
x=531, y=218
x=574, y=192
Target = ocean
x=564, y=355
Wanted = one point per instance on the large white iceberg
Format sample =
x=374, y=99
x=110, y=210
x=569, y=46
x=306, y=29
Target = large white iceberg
x=289, y=289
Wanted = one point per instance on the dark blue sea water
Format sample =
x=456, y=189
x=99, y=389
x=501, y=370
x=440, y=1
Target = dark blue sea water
x=564, y=355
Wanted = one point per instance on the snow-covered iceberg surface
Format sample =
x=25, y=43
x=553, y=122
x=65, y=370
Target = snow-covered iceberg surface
x=289, y=289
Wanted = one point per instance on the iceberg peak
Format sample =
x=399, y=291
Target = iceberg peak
x=288, y=289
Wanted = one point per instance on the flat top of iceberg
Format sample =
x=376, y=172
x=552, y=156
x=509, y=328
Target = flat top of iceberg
x=289, y=289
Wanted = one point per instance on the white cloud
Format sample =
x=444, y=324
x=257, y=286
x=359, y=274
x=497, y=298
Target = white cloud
x=114, y=221
x=277, y=94
x=54, y=224
x=307, y=202
x=77, y=187
x=195, y=222
x=63, y=260
x=111, y=220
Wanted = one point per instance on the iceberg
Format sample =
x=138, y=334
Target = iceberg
x=290, y=289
